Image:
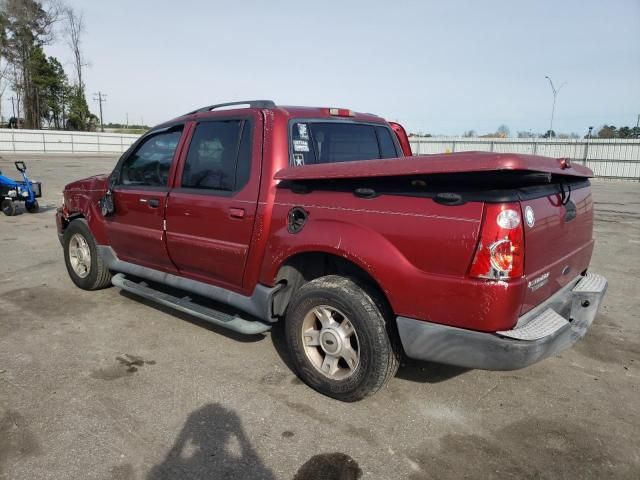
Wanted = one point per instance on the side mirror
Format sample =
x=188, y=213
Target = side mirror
x=20, y=166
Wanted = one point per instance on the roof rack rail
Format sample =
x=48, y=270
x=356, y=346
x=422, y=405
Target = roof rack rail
x=251, y=103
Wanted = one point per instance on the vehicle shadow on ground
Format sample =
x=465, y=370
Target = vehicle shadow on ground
x=413, y=370
x=21, y=210
x=280, y=344
x=194, y=320
x=211, y=445
x=428, y=372
x=45, y=209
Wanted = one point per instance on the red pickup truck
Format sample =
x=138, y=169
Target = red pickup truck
x=322, y=218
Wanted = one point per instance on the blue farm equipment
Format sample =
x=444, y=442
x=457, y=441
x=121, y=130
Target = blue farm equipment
x=12, y=191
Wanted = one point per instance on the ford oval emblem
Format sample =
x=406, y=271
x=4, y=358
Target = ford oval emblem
x=529, y=216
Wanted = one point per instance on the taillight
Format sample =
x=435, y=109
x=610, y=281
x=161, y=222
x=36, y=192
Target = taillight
x=500, y=252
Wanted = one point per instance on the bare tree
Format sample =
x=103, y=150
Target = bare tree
x=4, y=79
x=503, y=131
x=73, y=31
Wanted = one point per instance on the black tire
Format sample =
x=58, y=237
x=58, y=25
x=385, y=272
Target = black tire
x=32, y=207
x=98, y=276
x=8, y=208
x=379, y=353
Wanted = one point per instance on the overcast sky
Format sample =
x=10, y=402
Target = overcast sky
x=436, y=66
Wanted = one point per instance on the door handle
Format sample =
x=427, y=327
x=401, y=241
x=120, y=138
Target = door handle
x=152, y=202
x=236, y=212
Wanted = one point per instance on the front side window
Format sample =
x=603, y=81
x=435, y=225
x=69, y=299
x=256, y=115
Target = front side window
x=331, y=142
x=219, y=156
x=150, y=163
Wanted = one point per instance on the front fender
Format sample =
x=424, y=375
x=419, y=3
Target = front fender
x=86, y=204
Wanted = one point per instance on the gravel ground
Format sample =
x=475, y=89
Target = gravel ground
x=103, y=385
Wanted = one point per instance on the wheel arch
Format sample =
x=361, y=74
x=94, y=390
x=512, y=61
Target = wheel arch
x=302, y=267
x=94, y=220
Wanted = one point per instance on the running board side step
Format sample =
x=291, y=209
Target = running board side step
x=186, y=305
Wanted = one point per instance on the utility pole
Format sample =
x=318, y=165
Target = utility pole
x=13, y=107
x=64, y=103
x=100, y=98
x=586, y=147
x=553, y=107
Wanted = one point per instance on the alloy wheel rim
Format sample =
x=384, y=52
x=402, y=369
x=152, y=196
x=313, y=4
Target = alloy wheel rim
x=330, y=342
x=79, y=255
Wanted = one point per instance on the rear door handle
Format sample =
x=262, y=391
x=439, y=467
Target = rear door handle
x=236, y=212
x=152, y=202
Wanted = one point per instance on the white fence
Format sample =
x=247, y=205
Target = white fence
x=56, y=141
x=608, y=158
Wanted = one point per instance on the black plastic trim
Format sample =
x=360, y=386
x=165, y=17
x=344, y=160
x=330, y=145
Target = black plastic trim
x=444, y=190
x=259, y=304
x=251, y=103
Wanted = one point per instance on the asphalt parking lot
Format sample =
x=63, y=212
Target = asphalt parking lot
x=103, y=385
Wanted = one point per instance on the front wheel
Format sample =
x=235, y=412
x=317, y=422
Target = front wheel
x=8, y=207
x=84, y=264
x=341, y=338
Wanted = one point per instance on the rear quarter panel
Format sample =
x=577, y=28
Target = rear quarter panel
x=417, y=250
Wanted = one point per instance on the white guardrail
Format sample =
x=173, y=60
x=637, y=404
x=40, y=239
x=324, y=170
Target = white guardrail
x=60, y=141
x=608, y=158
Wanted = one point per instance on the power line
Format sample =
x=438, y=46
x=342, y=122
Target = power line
x=100, y=98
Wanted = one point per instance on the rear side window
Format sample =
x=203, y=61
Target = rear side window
x=150, y=163
x=219, y=156
x=387, y=147
x=331, y=142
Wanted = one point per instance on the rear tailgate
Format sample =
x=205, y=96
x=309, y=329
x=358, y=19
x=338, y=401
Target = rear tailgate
x=558, y=240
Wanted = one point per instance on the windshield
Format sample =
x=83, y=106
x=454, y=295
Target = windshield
x=331, y=142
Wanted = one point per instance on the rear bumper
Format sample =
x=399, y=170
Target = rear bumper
x=551, y=327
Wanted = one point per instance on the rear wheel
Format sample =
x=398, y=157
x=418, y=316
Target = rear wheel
x=340, y=339
x=84, y=265
x=32, y=207
x=8, y=208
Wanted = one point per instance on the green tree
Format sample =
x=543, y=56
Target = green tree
x=526, y=134
x=549, y=134
x=607, y=131
x=48, y=83
x=624, y=132
x=80, y=118
x=26, y=27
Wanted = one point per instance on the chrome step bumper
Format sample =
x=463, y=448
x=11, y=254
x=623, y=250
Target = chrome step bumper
x=551, y=327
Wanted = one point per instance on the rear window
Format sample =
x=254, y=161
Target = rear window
x=332, y=142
